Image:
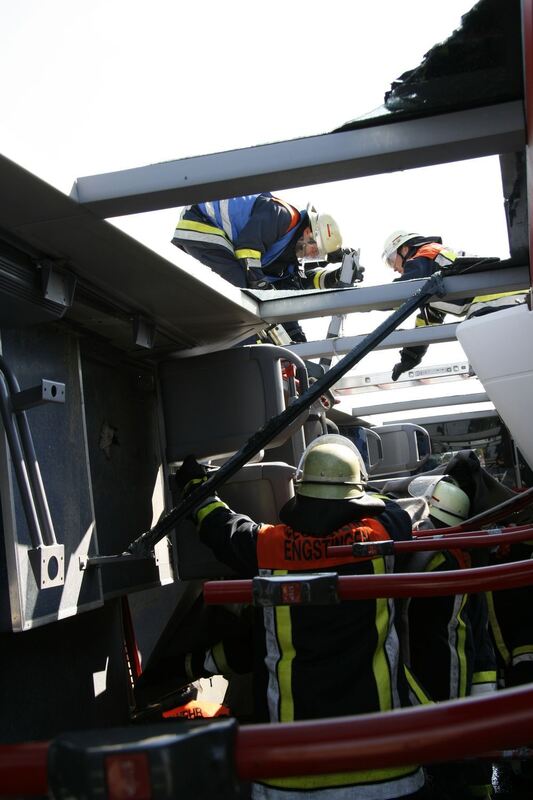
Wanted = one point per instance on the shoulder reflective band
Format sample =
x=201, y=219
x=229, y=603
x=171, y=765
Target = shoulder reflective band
x=294, y=590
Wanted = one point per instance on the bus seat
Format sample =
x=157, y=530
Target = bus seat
x=258, y=490
x=212, y=404
x=404, y=448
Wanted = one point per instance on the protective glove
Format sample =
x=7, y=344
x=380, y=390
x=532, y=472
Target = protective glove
x=255, y=277
x=295, y=331
x=408, y=360
x=336, y=256
x=189, y=475
x=358, y=275
x=262, y=284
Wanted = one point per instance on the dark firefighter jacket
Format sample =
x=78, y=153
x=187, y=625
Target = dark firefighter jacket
x=258, y=227
x=321, y=661
x=227, y=235
x=448, y=644
x=511, y=621
x=423, y=260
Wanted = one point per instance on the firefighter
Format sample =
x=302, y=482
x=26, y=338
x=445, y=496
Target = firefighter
x=461, y=660
x=446, y=642
x=213, y=640
x=318, y=661
x=258, y=240
x=412, y=256
x=261, y=242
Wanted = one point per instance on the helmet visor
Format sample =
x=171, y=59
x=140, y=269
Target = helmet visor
x=332, y=438
x=390, y=259
x=423, y=486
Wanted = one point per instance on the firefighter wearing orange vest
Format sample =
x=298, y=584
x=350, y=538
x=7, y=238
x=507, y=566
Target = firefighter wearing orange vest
x=414, y=256
x=320, y=660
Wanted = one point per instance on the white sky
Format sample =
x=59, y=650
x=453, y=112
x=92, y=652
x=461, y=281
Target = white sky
x=93, y=86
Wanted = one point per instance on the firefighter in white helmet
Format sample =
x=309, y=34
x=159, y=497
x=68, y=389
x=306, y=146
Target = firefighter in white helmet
x=259, y=241
x=298, y=649
x=448, y=504
x=412, y=255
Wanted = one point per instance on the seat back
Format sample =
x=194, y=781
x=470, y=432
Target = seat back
x=404, y=448
x=213, y=404
x=258, y=490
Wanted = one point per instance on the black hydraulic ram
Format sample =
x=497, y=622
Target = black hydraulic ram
x=143, y=545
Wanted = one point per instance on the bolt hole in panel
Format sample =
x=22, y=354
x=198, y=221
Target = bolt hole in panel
x=53, y=568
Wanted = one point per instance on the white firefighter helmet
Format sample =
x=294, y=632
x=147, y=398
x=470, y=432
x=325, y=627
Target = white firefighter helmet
x=392, y=244
x=325, y=230
x=331, y=468
x=447, y=502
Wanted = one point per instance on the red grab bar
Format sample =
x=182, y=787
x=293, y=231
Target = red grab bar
x=465, y=541
x=445, y=731
x=412, y=584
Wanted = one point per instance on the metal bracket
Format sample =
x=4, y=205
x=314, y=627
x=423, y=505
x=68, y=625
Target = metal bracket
x=144, y=332
x=188, y=759
x=47, y=392
x=293, y=590
x=58, y=285
x=48, y=564
x=373, y=549
x=88, y=562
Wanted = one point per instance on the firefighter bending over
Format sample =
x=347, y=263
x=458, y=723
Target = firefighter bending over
x=297, y=649
x=261, y=242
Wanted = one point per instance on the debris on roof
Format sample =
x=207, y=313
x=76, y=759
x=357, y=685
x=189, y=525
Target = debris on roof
x=479, y=64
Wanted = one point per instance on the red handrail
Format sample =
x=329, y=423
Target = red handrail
x=23, y=769
x=458, y=531
x=456, y=541
x=442, y=732
x=412, y=584
x=446, y=731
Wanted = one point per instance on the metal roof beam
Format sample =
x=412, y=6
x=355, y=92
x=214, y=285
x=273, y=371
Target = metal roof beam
x=451, y=417
x=339, y=346
x=374, y=149
x=411, y=405
x=312, y=304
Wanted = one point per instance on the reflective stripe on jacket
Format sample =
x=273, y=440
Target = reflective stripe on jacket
x=231, y=216
x=442, y=256
x=438, y=644
x=332, y=660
